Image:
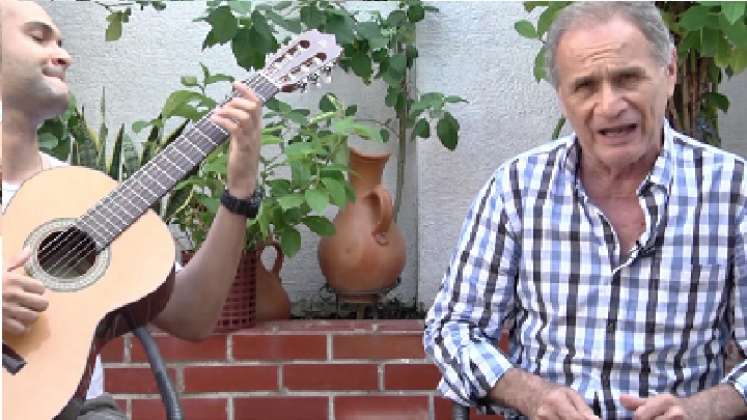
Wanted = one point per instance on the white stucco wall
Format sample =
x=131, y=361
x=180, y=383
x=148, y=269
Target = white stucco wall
x=469, y=49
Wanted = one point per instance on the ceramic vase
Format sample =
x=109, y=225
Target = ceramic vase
x=366, y=254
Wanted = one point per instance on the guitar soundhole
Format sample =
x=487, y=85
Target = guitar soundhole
x=67, y=254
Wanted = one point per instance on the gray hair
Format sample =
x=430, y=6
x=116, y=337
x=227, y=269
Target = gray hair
x=644, y=15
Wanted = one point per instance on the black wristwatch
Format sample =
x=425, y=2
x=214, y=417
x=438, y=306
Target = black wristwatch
x=243, y=206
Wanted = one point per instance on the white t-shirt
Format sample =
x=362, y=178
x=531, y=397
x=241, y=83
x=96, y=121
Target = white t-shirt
x=96, y=387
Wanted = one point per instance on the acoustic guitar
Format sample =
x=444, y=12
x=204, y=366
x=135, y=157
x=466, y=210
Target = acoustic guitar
x=97, y=247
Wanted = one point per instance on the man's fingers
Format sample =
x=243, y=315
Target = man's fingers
x=246, y=91
x=35, y=302
x=19, y=260
x=561, y=404
x=28, y=284
x=654, y=407
x=581, y=407
x=675, y=412
x=13, y=327
x=22, y=315
x=631, y=402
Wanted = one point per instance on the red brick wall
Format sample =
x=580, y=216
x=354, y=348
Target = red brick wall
x=305, y=370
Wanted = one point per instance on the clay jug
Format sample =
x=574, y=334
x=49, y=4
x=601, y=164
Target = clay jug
x=272, y=300
x=367, y=252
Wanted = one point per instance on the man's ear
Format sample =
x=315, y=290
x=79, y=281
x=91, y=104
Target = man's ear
x=672, y=72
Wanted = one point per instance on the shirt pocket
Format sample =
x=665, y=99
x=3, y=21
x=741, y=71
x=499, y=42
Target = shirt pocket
x=689, y=302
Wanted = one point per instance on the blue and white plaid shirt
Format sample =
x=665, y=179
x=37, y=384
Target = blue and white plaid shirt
x=536, y=255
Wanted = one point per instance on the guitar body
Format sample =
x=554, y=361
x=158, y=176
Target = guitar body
x=56, y=348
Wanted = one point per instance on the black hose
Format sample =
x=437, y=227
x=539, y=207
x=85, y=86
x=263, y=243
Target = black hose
x=459, y=412
x=166, y=388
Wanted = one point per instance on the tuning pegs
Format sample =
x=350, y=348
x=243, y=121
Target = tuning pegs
x=314, y=79
x=302, y=85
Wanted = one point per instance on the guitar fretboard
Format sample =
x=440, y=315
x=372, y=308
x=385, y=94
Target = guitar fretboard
x=131, y=199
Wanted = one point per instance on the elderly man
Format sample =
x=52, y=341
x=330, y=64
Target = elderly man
x=616, y=255
x=34, y=64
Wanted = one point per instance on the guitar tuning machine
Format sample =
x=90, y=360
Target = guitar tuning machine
x=314, y=79
x=327, y=74
x=302, y=85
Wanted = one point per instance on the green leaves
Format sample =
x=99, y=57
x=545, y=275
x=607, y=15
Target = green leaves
x=290, y=240
x=525, y=29
x=341, y=25
x=179, y=103
x=115, y=19
x=733, y=11
x=336, y=190
x=311, y=16
x=224, y=24
x=448, y=131
x=538, y=69
x=317, y=199
x=319, y=225
x=415, y=13
x=371, y=32
x=361, y=65
x=697, y=17
x=422, y=128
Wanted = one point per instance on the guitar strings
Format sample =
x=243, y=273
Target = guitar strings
x=83, y=245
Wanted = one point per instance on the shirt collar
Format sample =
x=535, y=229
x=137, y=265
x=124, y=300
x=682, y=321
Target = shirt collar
x=660, y=175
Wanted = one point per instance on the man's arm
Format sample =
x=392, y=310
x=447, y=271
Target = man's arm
x=200, y=289
x=721, y=402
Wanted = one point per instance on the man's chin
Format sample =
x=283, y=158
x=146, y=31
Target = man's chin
x=55, y=105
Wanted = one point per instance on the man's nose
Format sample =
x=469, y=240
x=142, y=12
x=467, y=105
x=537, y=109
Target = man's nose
x=611, y=102
x=62, y=58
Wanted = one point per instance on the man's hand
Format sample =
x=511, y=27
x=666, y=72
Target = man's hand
x=539, y=399
x=242, y=118
x=559, y=402
x=660, y=407
x=23, y=297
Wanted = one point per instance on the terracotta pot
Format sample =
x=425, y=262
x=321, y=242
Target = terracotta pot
x=272, y=300
x=367, y=252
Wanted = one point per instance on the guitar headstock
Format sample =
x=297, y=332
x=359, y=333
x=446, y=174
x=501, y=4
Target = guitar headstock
x=307, y=59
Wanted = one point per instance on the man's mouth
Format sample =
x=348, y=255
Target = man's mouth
x=55, y=74
x=618, y=130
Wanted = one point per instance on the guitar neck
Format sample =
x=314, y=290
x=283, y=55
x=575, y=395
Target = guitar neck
x=126, y=203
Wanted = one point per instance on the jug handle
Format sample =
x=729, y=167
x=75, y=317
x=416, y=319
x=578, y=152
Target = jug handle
x=279, y=257
x=385, y=212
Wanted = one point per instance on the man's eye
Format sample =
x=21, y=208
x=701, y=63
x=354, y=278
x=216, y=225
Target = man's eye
x=627, y=79
x=583, y=86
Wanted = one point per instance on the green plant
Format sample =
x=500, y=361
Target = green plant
x=302, y=175
x=70, y=138
x=711, y=40
x=374, y=47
